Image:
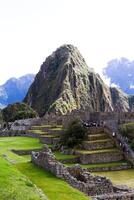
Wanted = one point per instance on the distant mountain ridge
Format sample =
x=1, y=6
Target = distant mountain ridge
x=65, y=83
x=121, y=73
x=15, y=89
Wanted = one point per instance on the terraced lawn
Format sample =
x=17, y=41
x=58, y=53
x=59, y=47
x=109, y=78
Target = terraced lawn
x=37, y=131
x=54, y=188
x=61, y=156
x=21, y=180
x=17, y=143
x=112, y=164
x=97, y=151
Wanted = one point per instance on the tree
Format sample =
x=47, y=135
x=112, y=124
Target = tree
x=18, y=111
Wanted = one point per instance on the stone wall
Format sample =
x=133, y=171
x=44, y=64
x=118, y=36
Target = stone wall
x=101, y=157
x=80, y=178
x=25, y=124
x=75, y=176
x=121, y=143
x=24, y=152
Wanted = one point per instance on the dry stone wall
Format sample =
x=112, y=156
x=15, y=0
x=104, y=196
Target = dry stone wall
x=81, y=179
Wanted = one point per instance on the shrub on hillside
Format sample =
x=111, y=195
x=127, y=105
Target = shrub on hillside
x=127, y=130
x=18, y=111
x=74, y=134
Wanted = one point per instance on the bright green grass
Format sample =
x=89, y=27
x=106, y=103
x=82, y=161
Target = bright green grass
x=54, y=188
x=56, y=129
x=97, y=151
x=50, y=136
x=17, y=143
x=37, y=131
x=14, y=185
x=18, y=183
x=48, y=126
x=61, y=156
x=98, y=135
x=112, y=164
x=98, y=141
x=42, y=126
x=123, y=177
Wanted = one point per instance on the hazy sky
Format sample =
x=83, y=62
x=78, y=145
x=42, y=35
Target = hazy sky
x=30, y=30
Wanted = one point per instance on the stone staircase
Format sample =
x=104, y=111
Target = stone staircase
x=46, y=133
x=98, y=151
x=99, y=148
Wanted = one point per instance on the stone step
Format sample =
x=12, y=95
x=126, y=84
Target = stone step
x=98, y=144
x=111, y=166
x=39, y=132
x=99, y=156
x=48, y=139
x=95, y=130
x=116, y=196
x=47, y=127
x=99, y=136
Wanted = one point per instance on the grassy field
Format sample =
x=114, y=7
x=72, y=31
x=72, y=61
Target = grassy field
x=123, y=177
x=21, y=180
x=54, y=188
x=16, y=186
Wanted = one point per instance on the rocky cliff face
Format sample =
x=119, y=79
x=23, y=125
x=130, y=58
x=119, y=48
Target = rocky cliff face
x=65, y=83
x=120, y=100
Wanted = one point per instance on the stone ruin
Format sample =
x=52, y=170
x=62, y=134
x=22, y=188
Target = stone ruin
x=99, y=188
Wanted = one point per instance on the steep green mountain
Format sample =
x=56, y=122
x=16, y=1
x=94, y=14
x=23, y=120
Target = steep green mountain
x=65, y=83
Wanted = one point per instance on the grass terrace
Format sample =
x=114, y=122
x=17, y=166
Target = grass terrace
x=97, y=151
x=54, y=188
x=61, y=156
x=89, y=166
x=22, y=180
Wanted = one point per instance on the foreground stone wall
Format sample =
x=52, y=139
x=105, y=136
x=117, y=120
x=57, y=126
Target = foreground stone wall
x=75, y=176
x=95, y=186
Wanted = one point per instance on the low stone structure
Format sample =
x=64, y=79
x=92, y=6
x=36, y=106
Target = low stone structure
x=101, y=157
x=81, y=178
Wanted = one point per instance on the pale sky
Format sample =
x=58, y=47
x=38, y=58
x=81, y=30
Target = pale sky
x=30, y=30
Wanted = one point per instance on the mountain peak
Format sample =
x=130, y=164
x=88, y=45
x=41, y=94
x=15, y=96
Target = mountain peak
x=66, y=56
x=15, y=89
x=65, y=83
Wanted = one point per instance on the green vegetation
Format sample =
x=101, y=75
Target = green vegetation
x=21, y=180
x=61, y=156
x=123, y=177
x=97, y=151
x=13, y=184
x=16, y=186
x=96, y=141
x=56, y=129
x=112, y=164
x=74, y=134
x=18, y=111
x=17, y=143
x=40, y=132
x=54, y=188
x=127, y=130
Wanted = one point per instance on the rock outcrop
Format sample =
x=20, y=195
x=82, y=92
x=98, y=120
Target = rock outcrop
x=65, y=83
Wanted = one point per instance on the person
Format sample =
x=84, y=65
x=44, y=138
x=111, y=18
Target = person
x=113, y=134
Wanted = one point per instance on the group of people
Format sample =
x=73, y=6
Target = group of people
x=92, y=124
